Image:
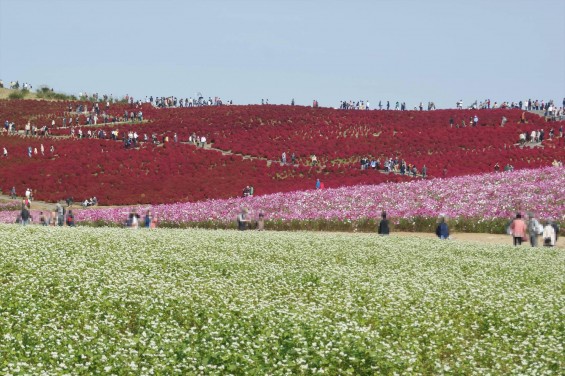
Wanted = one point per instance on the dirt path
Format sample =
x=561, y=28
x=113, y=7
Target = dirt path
x=42, y=205
x=271, y=161
x=477, y=238
x=457, y=237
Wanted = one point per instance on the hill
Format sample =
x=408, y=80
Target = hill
x=5, y=94
x=244, y=146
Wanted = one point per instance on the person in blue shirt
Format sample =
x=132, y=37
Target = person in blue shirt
x=442, y=230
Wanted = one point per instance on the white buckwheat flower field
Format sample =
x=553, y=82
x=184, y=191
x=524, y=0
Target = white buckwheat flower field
x=204, y=302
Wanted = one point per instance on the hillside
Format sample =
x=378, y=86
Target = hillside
x=244, y=146
x=5, y=93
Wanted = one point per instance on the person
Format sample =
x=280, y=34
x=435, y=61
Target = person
x=25, y=215
x=318, y=183
x=442, y=230
x=504, y=120
x=549, y=235
x=383, y=225
x=133, y=219
x=147, y=219
x=314, y=160
x=534, y=229
x=42, y=219
x=70, y=219
x=246, y=191
x=555, y=226
x=424, y=171
x=13, y=193
x=60, y=214
x=261, y=222
x=518, y=229
x=242, y=220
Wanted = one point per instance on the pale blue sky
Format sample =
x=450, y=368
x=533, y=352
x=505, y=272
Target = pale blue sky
x=329, y=50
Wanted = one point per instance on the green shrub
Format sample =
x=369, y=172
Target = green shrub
x=45, y=92
x=18, y=94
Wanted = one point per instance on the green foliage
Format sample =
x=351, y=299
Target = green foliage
x=18, y=94
x=51, y=95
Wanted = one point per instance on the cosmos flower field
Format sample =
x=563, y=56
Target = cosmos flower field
x=479, y=197
x=117, y=301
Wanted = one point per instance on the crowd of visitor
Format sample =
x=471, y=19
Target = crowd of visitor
x=245, y=221
x=59, y=216
x=134, y=220
x=393, y=165
x=530, y=228
x=172, y=101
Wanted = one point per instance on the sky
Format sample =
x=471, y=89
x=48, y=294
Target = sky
x=404, y=50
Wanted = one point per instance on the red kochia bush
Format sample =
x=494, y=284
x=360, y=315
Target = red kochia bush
x=181, y=172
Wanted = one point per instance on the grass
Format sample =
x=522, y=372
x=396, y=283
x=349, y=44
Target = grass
x=18, y=94
x=40, y=94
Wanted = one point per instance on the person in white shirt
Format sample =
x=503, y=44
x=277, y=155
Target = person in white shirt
x=548, y=235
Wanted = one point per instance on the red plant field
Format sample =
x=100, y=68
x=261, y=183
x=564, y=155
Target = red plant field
x=183, y=172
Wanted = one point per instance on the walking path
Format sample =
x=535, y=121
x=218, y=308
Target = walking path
x=271, y=161
x=481, y=238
